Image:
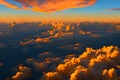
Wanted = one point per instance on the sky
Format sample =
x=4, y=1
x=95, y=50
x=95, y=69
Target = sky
x=51, y=40
x=59, y=10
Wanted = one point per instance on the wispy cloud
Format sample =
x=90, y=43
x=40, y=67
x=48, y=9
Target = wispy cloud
x=115, y=9
x=7, y=4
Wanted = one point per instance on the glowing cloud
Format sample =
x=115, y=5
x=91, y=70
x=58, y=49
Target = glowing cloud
x=101, y=64
x=49, y=5
x=23, y=73
x=8, y=4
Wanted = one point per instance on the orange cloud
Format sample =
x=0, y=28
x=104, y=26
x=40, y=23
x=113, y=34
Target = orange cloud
x=8, y=4
x=50, y=5
x=90, y=65
x=37, y=40
x=23, y=73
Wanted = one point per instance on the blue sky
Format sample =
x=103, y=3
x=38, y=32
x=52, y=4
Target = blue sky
x=100, y=8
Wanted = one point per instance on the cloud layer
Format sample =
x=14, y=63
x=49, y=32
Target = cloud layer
x=49, y=5
x=52, y=50
x=101, y=64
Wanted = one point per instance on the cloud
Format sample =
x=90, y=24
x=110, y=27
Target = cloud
x=31, y=41
x=22, y=74
x=49, y=5
x=111, y=73
x=88, y=33
x=7, y=4
x=101, y=64
x=37, y=40
x=76, y=46
x=46, y=40
x=1, y=64
x=2, y=45
x=60, y=30
x=88, y=62
x=115, y=9
x=52, y=76
x=47, y=64
x=118, y=27
x=12, y=25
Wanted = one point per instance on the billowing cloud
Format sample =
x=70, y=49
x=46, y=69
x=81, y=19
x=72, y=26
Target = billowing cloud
x=23, y=73
x=49, y=5
x=101, y=64
x=46, y=65
x=60, y=30
x=92, y=63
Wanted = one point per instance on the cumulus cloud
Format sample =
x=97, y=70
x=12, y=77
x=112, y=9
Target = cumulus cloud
x=49, y=5
x=60, y=30
x=88, y=33
x=37, y=40
x=100, y=64
x=27, y=42
x=47, y=64
x=44, y=66
x=52, y=76
x=57, y=30
x=47, y=61
x=22, y=74
x=53, y=30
